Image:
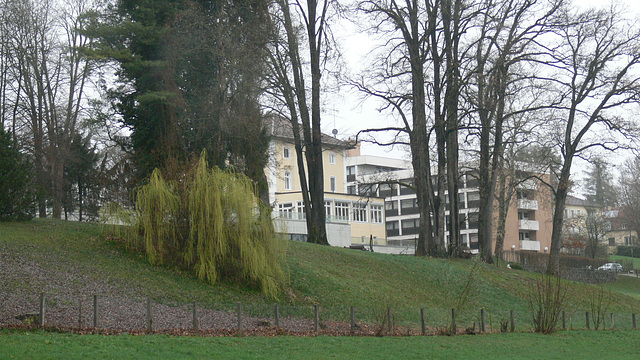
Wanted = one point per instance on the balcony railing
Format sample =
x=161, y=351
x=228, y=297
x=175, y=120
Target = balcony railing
x=528, y=185
x=292, y=215
x=528, y=225
x=390, y=212
x=530, y=245
x=410, y=210
x=526, y=204
x=393, y=232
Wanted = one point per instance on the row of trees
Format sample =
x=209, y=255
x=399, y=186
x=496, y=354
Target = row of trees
x=44, y=79
x=499, y=75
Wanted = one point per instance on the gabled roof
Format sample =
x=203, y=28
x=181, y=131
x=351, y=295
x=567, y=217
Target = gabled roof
x=574, y=201
x=280, y=127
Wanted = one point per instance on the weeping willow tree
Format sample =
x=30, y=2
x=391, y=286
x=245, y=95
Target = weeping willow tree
x=212, y=223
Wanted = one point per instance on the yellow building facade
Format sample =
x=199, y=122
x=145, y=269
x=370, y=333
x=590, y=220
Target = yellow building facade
x=350, y=218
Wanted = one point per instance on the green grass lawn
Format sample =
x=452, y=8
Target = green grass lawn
x=562, y=345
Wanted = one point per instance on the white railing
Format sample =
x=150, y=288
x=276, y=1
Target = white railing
x=292, y=215
x=527, y=204
x=530, y=245
x=528, y=185
x=528, y=225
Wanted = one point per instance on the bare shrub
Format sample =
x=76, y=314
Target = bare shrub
x=599, y=302
x=547, y=298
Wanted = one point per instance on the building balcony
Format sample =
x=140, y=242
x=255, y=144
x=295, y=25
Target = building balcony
x=410, y=211
x=530, y=245
x=528, y=185
x=528, y=225
x=526, y=204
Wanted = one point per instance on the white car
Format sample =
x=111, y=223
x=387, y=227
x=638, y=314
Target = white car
x=611, y=267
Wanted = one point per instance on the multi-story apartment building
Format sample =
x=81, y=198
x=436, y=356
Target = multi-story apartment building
x=350, y=218
x=528, y=225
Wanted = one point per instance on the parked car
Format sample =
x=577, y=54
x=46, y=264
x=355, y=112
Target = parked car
x=611, y=267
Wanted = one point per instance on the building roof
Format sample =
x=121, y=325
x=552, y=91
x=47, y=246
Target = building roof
x=280, y=127
x=574, y=201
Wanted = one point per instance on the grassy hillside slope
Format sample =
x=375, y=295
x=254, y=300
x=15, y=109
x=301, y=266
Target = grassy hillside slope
x=63, y=257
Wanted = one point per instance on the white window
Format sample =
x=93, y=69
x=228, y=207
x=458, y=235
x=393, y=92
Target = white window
x=285, y=210
x=579, y=212
x=332, y=158
x=524, y=235
x=342, y=210
x=287, y=180
x=573, y=213
x=300, y=207
x=359, y=212
x=332, y=180
x=327, y=208
x=376, y=214
x=286, y=152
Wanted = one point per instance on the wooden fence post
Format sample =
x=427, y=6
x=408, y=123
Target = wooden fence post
x=390, y=321
x=95, y=312
x=41, y=309
x=587, y=316
x=276, y=315
x=613, y=322
x=422, y=322
x=316, y=324
x=195, y=316
x=80, y=313
x=513, y=324
x=454, y=327
x=149, y=317
x=353, y=320
x=482, y=320
x=239, y=325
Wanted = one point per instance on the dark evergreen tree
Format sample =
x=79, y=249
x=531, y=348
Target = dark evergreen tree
x=189, y=74
x=16, y=200
x=599, y=184
x=82, y=180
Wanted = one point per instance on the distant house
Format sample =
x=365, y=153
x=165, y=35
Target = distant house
x=351, y=219
x=620, y=232
x=574, y=229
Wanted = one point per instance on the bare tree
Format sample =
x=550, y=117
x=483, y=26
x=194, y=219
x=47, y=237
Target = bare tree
x=596, y=228
x=505, y=49
x=418, y=76
x=49, y=79
x=595, y=62
x=289, y=74
x=629, y=192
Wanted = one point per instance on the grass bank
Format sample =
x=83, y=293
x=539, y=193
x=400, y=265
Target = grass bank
x=72, y=257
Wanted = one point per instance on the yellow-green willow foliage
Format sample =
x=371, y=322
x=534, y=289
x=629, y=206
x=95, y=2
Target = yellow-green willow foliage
x=157, y=208
x=213, y=224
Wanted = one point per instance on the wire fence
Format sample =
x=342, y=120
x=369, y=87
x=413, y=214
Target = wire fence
x=122, y=314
